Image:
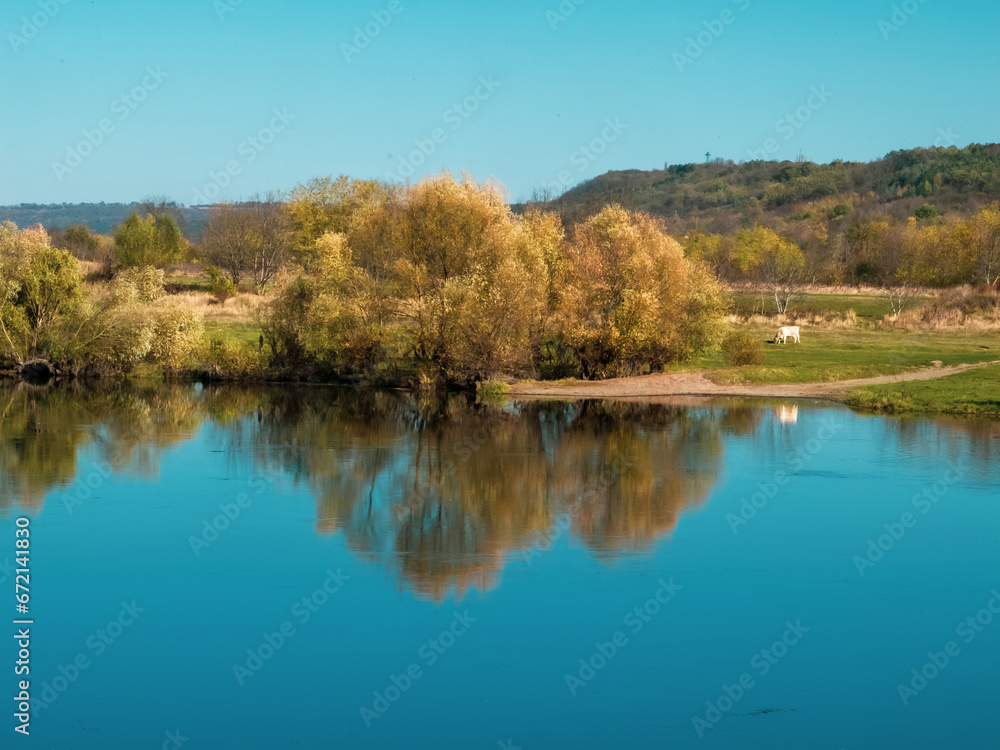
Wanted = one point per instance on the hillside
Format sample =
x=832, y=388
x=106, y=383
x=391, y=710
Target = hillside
x=99, y=217
x=720, y=196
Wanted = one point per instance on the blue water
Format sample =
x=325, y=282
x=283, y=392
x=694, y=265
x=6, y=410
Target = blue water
x=430, y=573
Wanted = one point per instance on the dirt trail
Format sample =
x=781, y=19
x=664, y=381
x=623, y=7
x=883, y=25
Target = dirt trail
x=696, y=384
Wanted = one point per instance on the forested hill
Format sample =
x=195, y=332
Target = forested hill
x=719, y=196
x=99, y=217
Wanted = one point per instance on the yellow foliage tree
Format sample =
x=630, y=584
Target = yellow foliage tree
x=629, y=290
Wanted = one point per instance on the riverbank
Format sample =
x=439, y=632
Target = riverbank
x=865, y=393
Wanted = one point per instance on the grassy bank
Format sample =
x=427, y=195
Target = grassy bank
x=975, y=393
x=826, y=355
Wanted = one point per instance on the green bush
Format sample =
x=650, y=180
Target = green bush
x=492, y=390
x=222, y=288
x=743, y=348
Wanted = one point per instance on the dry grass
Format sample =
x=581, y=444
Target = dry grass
x=848, y=319
x=240, y=310
x=860, y=291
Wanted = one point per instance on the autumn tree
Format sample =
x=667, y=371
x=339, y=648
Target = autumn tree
x=326, y=204
x=772, y=261
x=152, y=241
x=471, y=291
x=40, y=289
x=632, y=300
x=864, y=242
x=251, y=239
x=80, y=241
x=984, y=229
x=160, y=205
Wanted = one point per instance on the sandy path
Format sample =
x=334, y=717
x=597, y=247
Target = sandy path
x=696, y=384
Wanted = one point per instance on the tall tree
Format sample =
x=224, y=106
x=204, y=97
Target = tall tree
x=771, y=260
x=251, y=239
x=326, y=204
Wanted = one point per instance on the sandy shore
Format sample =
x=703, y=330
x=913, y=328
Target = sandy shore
x=696, y=384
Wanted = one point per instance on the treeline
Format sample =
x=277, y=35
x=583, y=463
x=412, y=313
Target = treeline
x=46, y=311
x=439, y=282
x=101, y=218
x=924, y=216
x=825, y=246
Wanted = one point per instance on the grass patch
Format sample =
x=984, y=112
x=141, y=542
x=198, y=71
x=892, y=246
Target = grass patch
x=177, y=284
x=827, y=355
x=866, y=306
x=492, y=390
x=247, y=334
x=972, y=393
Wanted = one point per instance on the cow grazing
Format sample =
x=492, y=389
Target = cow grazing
x=784, y=332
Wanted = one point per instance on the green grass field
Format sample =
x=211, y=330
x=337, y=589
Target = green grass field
x=866, y=306
x=844, y=354
x=972, y=393
x=244, y=333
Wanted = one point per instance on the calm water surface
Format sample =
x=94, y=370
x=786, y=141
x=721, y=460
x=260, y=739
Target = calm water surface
x=318, y=568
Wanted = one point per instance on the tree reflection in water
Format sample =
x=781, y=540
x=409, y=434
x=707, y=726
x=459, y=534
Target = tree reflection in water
x=441, y=489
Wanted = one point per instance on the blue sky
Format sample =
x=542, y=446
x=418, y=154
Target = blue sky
x=220, y=99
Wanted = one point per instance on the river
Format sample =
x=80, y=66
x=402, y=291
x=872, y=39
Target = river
x=320, y=568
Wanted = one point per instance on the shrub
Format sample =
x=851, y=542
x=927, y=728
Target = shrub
x=148, y=242
x=743, y=348
x=176, y=332
x=492, y=390
x=145, y=282
x=221, y=287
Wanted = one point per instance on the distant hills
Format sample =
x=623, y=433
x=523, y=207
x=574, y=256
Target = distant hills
x=717, y=196
x=720, y=195
x=100, y=217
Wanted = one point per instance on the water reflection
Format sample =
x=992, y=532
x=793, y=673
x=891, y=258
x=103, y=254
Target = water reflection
x=441, y=489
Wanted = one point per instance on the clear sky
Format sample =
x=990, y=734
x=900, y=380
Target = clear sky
x=532, y=92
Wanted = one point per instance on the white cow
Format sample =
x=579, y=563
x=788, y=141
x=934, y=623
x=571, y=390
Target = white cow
x=784, y=332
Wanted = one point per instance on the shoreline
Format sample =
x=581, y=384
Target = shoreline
x=696, y=384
